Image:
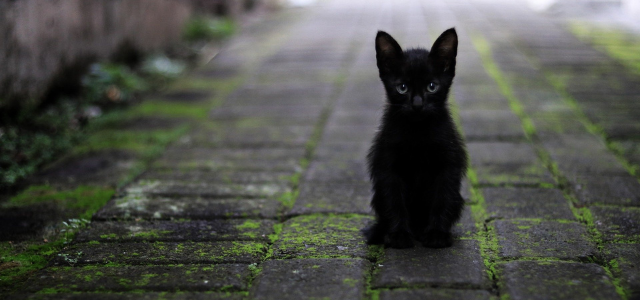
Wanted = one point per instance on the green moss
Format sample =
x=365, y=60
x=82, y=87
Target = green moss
x=172, y=109
x=151, y=234
x=322, y=236
x=85, y=200
x=146, y=143
x=288, y=198
x=277, y=229
x=248, y=224
x=350, y=282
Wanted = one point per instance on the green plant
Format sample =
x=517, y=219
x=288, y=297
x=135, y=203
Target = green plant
x=36, y=137
x=202, y=28
x=111, y=83
x=160, y=67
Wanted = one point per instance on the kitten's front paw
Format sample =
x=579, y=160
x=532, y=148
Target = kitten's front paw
x=436, y=239
x=399, y=240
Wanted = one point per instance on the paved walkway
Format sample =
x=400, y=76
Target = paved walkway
x=267, y=200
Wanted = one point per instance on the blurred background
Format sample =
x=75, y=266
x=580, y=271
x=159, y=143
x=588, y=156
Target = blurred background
x=73, y=59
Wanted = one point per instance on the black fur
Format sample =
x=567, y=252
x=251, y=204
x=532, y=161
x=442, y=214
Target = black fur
x=418, y=158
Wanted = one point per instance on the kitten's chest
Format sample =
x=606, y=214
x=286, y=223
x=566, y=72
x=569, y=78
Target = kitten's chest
x=418, y=156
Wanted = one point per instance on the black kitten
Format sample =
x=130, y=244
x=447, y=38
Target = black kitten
x=417, y=158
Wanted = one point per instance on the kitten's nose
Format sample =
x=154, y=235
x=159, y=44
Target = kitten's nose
x=417, y=102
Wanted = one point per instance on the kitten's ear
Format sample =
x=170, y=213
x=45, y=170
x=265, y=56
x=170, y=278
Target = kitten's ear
x=445, y=49
x=388, y=53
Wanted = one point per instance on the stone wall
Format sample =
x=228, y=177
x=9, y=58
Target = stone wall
x=44, y=42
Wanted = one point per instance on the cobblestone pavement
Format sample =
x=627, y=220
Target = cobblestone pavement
x=267, y=199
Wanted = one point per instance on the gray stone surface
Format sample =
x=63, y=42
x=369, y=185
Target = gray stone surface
x=582, y=154
x=511, y=203
x=161, y=253
x=617, y=224
x=338, y=171
x=142, y=207
x=227, y=176
x=563, y=240
x=311, y=279
x=322, y=236
x=507, y=163
x=491, y=125
x=133, y=296
x=171, y=189
x=168, y=231
x=612, y=190
x=146, y=278
x=435, y=293
x=459, y=266
x=332, y=198
x=558, y=280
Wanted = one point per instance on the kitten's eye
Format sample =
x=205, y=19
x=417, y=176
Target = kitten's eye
x=433, y=87
x=402, y=88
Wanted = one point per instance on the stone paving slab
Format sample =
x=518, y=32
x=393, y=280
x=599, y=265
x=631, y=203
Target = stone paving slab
x=338, y=171
x=491, y=125
x=268, y=136
x=551, y=123
x=206, y=190
x=330, y=150
x=533, y=239
x=582, y=155
x=310, y=113
x=322, y=236
x=170, y=231
x=507, y=163
x=161, y=253
x=510, y=203
x=129, y=296
x=291, y=95
x=332, y=198
x=443, y=294
x=343, y=117
x=311, y=279
x=617, y=224
x=612, y=190
x=625, y=262
x=142, y=207
x=459, y=266
x=349, y=134
x=558, y=280
x=208, y=159
x=148, y=278
x=228, y=176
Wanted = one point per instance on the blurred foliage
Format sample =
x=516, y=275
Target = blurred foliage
x=107, y=84
x=161, y=68
x=206, y=28
x=35, y=138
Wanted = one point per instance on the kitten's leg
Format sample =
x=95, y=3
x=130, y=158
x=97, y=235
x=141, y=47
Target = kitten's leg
x=446, y=208
x=392, y=222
